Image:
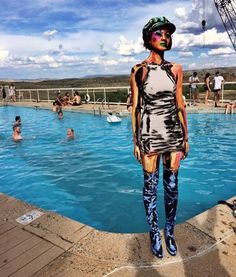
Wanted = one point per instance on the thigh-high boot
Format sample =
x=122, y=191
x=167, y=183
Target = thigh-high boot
x=149, y=199
x=170, y=179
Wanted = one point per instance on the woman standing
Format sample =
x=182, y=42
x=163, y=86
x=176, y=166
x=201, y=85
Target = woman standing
x=159, y=127
x=207, y=87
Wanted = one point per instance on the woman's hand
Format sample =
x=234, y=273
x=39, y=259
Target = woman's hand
x=185, y=149
x=137, y=153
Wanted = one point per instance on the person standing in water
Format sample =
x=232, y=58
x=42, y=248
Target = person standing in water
x=16, y=133
x=159, y=127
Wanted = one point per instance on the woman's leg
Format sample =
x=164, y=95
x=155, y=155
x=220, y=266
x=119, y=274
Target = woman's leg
x=171, y=162
x=151, y=176
x=207, y=96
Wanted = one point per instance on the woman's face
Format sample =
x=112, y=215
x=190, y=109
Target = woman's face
x=161, y=39
x=70, y=133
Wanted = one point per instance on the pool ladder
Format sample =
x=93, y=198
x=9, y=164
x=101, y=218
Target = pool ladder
x=101, y=107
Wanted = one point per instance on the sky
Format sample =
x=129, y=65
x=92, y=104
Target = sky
x=55, y=39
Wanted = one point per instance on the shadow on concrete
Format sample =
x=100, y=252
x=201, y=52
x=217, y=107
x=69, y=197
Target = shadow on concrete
x=209, y=264
x=196, y=256
x=144, y=260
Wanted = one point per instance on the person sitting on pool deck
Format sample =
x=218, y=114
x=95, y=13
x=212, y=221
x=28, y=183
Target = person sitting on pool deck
x=77, y=99
x=16, y=133
x=70, y=133
x=59, y=100
x=229, y=107
x=66, y=99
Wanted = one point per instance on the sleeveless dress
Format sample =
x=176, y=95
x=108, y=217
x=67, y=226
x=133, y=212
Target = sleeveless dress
x=160, y=128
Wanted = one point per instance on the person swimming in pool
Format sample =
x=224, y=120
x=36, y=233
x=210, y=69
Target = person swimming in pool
x=17, y=134
x=70, y=133
x=17, y=121
x=159, y=127
x=60, y=114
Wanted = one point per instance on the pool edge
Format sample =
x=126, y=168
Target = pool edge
x=75, y=249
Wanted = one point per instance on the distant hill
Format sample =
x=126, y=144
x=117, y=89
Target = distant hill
x=229, y=74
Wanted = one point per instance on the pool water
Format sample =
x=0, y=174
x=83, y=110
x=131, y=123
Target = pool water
x=96, y=180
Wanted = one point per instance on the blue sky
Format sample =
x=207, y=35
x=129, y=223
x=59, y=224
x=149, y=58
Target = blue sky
x=69, y=38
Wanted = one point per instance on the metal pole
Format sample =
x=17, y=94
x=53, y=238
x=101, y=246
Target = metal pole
x=222, y=94
x=38, y=96
x=30, y=95
x=190, y=96
x=105, y=95
x=94, y=99
x=48, y=95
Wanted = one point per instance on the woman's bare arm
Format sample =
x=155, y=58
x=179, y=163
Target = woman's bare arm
x=178, y=72
x=135, y=111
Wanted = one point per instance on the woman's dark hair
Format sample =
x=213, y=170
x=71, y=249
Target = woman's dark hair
x=207, y=75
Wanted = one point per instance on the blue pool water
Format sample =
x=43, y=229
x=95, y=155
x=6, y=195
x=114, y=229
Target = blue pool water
x=95, y=179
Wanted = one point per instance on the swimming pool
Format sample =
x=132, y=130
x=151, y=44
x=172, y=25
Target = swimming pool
x=95, y=179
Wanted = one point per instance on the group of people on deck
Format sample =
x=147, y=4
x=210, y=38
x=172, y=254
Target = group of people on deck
x=217, y=82
x=67, y=100
x=8, y=93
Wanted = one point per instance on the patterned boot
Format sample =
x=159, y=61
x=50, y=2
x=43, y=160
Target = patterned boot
x=170, y=179
x=149, y=199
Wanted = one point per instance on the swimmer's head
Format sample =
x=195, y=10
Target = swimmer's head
x=17, y=118
x=70, y=133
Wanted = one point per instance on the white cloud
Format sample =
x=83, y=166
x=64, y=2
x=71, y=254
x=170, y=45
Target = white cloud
x=188, y=25
x=128, y=60
x=3, y=55
x=209, y=38
x=128, y=47
x=50, y=34
x=203, y=55
x=181, y=12
x=221, y=51
x=105, y=62
x=186, y=54
x=192, y=66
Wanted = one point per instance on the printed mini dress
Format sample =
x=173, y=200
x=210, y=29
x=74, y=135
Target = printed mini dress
x=160, y=128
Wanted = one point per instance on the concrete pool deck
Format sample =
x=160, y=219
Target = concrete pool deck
x=120, y=108
x=53, y=245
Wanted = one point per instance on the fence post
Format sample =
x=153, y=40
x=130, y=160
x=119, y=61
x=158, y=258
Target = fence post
x=48, y=96
x=30, y=95
x=38, y=96
x=105, y=95
x=222, y=94
x=94, y=99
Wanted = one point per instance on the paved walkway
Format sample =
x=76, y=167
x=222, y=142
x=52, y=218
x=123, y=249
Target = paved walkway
x=53, y=245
